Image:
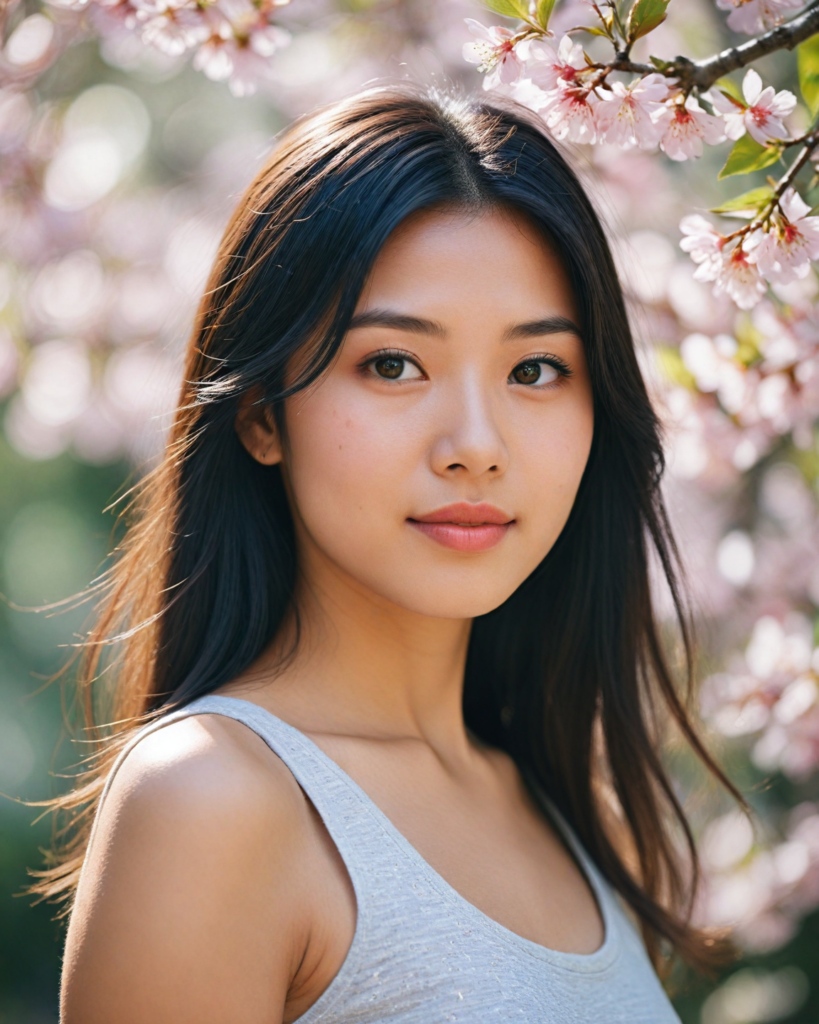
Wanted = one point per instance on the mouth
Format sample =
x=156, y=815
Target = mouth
x=465, y=527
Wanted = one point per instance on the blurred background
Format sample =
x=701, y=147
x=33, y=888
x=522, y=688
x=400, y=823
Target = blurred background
x=119, y=164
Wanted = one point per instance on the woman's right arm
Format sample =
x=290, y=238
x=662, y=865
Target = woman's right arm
x=192, y=905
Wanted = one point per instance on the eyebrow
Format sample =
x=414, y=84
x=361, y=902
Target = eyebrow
x=419, y=325
x=545, y=325
x=398, y=322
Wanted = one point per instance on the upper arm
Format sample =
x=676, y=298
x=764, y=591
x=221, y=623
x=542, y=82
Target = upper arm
x=189, y=907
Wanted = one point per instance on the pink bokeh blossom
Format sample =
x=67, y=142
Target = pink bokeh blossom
x=753, y=16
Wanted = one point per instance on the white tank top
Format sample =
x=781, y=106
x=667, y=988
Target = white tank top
x=421, y=953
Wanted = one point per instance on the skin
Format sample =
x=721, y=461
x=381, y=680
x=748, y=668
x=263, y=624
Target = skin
x=212, y=892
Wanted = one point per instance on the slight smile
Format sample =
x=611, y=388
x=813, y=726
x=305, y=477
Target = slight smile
x=464, y=527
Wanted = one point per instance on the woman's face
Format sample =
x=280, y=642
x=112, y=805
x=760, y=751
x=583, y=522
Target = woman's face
x=437, y=461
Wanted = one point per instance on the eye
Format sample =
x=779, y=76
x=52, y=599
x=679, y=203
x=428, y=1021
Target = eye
x=394, y=367
x=537, y=371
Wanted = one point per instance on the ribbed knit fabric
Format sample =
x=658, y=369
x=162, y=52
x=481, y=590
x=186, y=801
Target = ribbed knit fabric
x=421, y=953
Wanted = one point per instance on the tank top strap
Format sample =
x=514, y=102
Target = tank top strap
x=354, y=824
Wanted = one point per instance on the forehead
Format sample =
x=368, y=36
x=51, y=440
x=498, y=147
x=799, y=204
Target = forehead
x=496, y=258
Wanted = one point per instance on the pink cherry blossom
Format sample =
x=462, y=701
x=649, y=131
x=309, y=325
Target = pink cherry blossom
x=265, y=40
x=727, y=264
x=241, y=15
x=243, y=62
x=634, y=115
x=494, y=53
x=109, y=17
x=213, y=59
x=763, y=116
x=547, y=67
x=784, y=253
x=233, y=39
x=754, y=16
x=687, y=128
x=239, y=45
x=249, y=64
x=702, y=241
x=570, y=112
x=172, y=26
x=249, y=26
x=737, y=277
x=732, y=111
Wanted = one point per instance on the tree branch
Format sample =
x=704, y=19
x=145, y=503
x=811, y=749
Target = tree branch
x=762, y=217
x=811, y=143
x=701, y=74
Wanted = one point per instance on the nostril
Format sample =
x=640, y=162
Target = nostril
x=455, y=465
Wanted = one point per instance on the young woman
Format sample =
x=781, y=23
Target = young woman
x=386, y=611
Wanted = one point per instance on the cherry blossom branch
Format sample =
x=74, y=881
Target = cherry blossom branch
x=702, y=74
x=811, y=143
x=776, y=246
x=763, y=217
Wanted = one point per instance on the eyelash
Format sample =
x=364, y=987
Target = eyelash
x=554, y=361
x=388, y=353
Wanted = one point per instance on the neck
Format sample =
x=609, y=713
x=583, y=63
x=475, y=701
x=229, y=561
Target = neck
x=365, y=666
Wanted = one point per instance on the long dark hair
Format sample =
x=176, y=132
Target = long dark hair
x=568, y=674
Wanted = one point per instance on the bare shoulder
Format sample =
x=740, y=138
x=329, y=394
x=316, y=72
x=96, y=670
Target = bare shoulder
x=207, y=790
x=193, y=897
x=208, y=764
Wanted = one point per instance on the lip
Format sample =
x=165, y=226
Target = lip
x=465, y=527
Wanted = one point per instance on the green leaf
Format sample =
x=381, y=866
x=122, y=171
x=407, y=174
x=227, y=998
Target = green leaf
x=543, y=12
x=807, y=60
x=731, y=89
x=707, y=106
x=644, y=17
x=751, y=200
x=661, y=65
x=747, y=156
x=509, y=8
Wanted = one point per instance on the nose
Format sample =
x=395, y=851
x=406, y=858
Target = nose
x=469, y=441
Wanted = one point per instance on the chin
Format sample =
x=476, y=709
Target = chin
x=447, y=598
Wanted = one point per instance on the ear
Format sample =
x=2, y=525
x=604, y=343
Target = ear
x=257, y=430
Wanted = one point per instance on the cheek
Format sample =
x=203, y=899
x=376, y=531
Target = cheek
x=338, y=463
x=554, y=467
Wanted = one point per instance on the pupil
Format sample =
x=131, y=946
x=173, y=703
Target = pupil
x=527, y=373
x=390, y=367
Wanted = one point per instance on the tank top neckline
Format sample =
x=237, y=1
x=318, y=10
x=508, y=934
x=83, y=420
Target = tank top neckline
x=586, y=963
